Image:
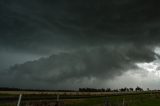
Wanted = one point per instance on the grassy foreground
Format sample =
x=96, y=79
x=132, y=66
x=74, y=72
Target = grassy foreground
x=137, y=100
x=85, y=102
x=112, y=100
x=128, y=100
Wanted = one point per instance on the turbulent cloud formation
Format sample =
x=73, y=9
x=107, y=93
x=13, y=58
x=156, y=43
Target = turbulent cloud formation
x=82, y=40
x=100, y=63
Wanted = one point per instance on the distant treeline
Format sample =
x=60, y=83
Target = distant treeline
x=80, y=90
x=40, y=90
x=110, y=90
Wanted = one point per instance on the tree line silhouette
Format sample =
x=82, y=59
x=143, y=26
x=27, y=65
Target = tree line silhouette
x=125, y=89
x=110, y=90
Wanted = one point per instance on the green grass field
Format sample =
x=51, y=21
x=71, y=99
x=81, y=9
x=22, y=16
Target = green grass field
x=137, y=100
x=113, y=100
x=129, y=100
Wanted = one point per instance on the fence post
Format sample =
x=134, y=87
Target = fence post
x=57, y=97
x=123, y=104
x=19, y=100
x=106, y=102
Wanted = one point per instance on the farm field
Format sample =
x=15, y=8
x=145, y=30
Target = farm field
x=141, y=99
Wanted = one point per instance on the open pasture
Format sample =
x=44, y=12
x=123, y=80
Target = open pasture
x=10, y=98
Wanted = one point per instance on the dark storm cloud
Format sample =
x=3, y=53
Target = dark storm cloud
x=43, y=24
x=99, y=63
x=96, y=38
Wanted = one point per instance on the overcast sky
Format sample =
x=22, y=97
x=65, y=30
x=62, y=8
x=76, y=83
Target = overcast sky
x=67, y=44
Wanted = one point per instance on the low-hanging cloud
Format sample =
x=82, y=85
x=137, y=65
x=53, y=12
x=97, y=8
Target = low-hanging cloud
x=100, y=63
x=81, y=40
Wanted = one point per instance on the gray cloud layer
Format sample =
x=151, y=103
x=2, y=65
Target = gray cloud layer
x=41, y=24
x=99, y=63
x=85, y=38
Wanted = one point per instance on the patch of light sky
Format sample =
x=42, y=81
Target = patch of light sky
x=147, y=76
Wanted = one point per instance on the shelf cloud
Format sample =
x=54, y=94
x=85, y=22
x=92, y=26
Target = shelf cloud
x=84, y=41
